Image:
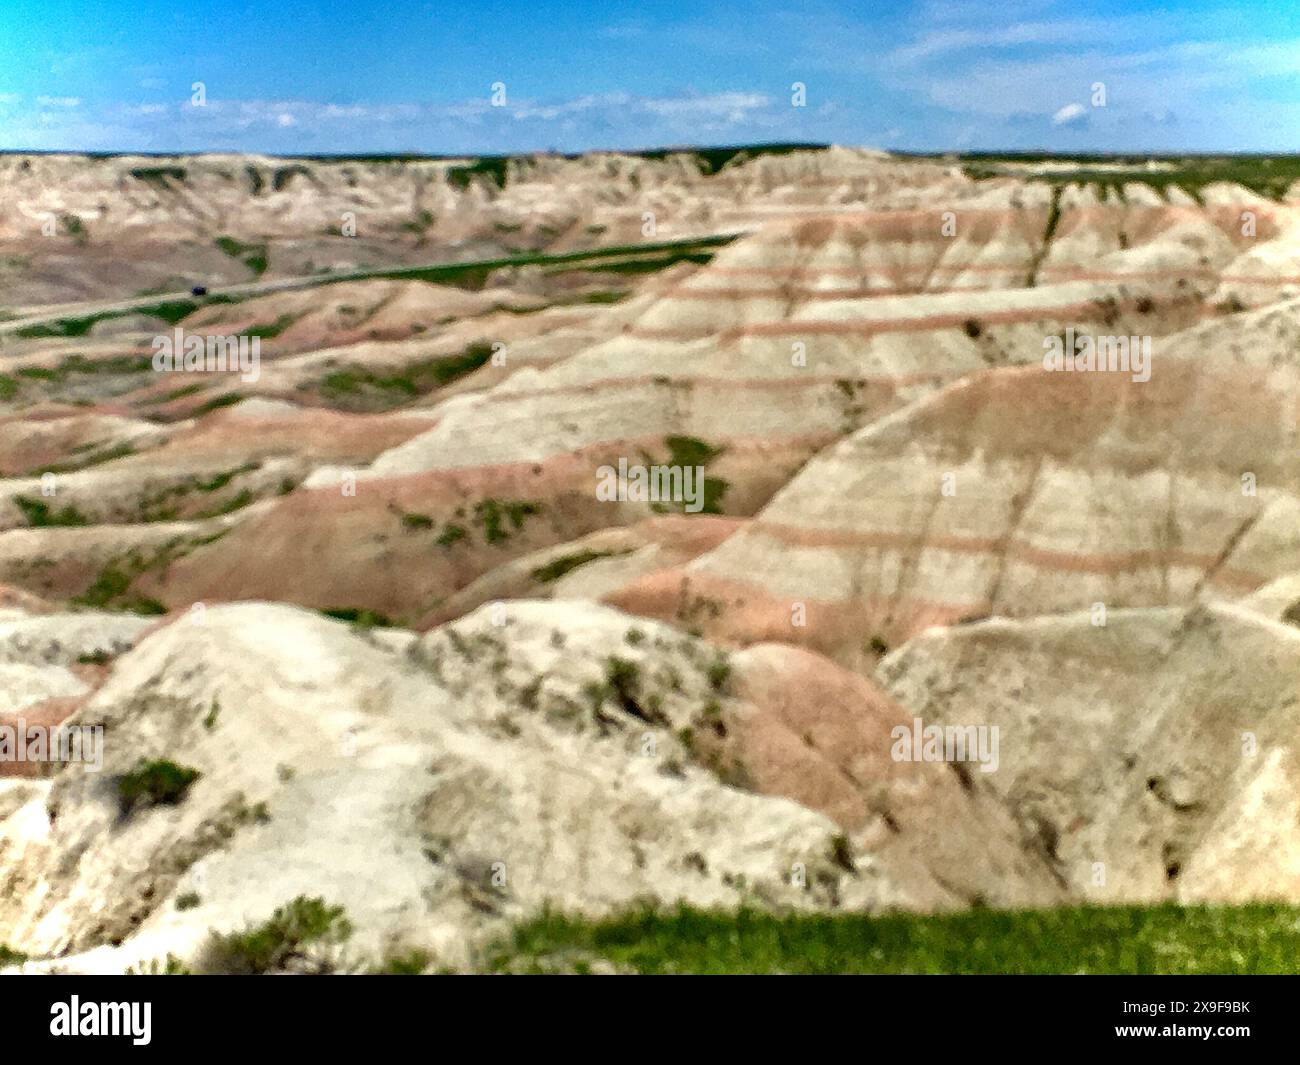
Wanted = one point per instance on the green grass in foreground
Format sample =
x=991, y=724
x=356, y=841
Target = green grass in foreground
x=1259, y=938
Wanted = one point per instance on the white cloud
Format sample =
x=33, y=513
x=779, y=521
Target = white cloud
x=604, y=120
x=58, y=101
x=1012, y=36
x=528, y=109
x=1071, y=115
x=728, y=104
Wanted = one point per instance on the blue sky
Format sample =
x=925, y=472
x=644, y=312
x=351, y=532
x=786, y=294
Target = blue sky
x=292, y=76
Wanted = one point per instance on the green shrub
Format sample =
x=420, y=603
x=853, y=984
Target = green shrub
x=227, y=399
x=158, y=175
x=490, y=168
x=74, y=227
x=412, y=964
x=621, y=675
x=11, y=957
x=222, y=479
x=363, y=616
x=410, y=381
x=558, y=567
x=40, y=516
x=690, y=451
x=719, y=673
x=493, y=514
x=238, y=501
x=284, y=174
x=450, y=534
x=416, y=521
x=110, y=590
x=299, y=931
x=271, y=330
x=252, y=255
x=156, y=782
x=110, y=583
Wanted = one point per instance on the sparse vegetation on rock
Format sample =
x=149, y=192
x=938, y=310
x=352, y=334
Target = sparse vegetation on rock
x=299, y=936
x=159, y=782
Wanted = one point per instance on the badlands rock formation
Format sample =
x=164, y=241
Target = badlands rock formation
x=529, y=695
x=396, y=777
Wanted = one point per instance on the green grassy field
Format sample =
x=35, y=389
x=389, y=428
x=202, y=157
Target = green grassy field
x=1268, y=175
x=1261, y=938
x=624, y=258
